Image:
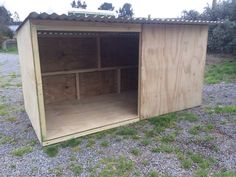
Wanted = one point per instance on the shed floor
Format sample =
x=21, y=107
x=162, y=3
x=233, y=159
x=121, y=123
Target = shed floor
x=68, y=118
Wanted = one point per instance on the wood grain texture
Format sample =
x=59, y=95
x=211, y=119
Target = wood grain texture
x=59, y=88
x=66, y=118
x=129, y=79
x=173, y=59
x=28, y=76
x=67, y=53
x=98, y=83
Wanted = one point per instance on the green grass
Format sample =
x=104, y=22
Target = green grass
x=51, y=150
x=202, y=172
x=12, y=50
x=76, y=169
x=126, y=131
x=203, y=163
x=146, y=142
x=217, y=73
x=153, y=173
x=5, y=139
x=22, y=151
x=135, y=151
x=3, y=110
x=196, y=129
x=71, y=143
x=188, y=116
x=112, y=166
x=90, y=143
x=225, y=173
x=11, y=119
x=164, y=148
x=186, y=163
x=221, y=109
x=168, y=138
x=104, y=143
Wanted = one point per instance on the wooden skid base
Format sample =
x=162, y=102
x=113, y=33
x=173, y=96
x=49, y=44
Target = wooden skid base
x=77, y=118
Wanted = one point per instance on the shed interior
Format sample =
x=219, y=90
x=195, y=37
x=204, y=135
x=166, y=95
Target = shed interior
x=90, y=79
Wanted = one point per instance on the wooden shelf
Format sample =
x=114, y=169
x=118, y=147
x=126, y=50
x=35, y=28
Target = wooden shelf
x=66, y=118
x=86, y=70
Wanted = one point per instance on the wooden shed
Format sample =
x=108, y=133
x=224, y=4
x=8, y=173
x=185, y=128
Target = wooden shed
x=84, y=74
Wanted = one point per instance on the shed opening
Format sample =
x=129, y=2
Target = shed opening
x=90, y=80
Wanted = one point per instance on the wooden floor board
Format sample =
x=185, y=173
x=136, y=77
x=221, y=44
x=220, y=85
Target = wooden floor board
x=67, y=118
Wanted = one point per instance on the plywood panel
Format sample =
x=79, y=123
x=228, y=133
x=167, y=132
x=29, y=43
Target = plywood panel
x=119, y=50
x=28, y=76
x=97, y=83
x=59, y=88
x=129, y=79
x=67, y=53
x=173, y=59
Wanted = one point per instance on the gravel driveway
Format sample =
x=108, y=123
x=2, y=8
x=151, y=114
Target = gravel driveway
x=212, y=136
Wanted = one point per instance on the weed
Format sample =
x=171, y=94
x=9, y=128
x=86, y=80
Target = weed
x=6, y=139
x=135, y=151
x=225, y=173
x=145, y=162
x=186, y=163
x=104, y=143
x=12, y=75
x=76, y=169
x=150, y=133
x=22, y=151
x=153, y=173
x=194, y=130
x=225, y=109
x=51, y=150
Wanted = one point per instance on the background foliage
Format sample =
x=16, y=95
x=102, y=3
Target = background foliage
x=221, y=38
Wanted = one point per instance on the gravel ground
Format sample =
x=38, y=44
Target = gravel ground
x=16, y=132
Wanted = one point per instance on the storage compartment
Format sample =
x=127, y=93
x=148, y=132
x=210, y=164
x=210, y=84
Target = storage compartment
x=90, y=80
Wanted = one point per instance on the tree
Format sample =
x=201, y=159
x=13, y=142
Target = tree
x=16, y=17
x=191, y=15
x=78, y=4
x=126, y=10
x=5, y=20
x=221, y=38
x=106, y=6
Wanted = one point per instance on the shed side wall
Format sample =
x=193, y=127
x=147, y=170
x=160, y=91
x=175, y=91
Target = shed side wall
x=28, y=76
x=173, y=60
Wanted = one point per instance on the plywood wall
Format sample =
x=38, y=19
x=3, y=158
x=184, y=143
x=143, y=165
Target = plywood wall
x=28, y=76
x=172, y=68
x=67, y=53
x=119, y=51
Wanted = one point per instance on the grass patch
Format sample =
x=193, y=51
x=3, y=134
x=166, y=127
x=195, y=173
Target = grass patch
x=186, y=163
x=202, y=172
x=188, y=116
x=217, y=73
x=221, y=109
x=168, y=138
x=225, y=173
x=196, y=129
x=12, y=50
x=104, y=143
x=3, y=110
x=90, y=143
x=11, y=119
x=113, y=167
x=145, y=142
x=76, y=169
x=164, y=148
x=135, y=151
x=22, y=151
x=51, y=150
x=153, y=173
x=5, y=139
x=126, y=131
x=71, y=143
x=202, y=162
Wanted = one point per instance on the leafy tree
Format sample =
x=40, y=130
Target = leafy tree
x=5, y=20
x=126, y=10
x=221, y=38
x=106, y=6
x=78, y=4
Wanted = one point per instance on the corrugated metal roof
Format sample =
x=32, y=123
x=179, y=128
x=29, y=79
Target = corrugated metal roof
x=112, y=19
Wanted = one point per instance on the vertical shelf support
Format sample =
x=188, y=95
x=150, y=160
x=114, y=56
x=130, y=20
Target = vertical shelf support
x=77, y=85
x=99, y=51
x=118, y=80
